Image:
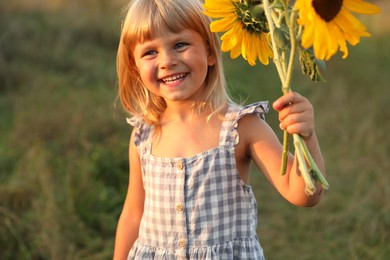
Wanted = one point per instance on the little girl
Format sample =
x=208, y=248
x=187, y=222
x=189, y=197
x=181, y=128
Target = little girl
x=191, y=147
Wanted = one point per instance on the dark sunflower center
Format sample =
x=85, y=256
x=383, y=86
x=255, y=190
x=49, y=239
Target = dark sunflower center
x=327, y=9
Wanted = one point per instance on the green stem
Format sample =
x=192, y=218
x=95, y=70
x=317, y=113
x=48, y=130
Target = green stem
x=282, y=75
x=293, y=47
x=313, y=165
x=283, y=168
x=310, y=187
x=276, y=59
x=287, y=87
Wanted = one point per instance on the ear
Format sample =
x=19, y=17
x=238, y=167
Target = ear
x=210, y=60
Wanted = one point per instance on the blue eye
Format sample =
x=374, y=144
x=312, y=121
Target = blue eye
x=180, y=45
x=148, y=53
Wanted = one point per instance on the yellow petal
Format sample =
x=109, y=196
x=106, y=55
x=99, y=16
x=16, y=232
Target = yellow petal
x=217, y=14
x=320, y=44
x=231, y=38
x=361, y=7
x=232, y=32
x=332, y=43
x=263, y=49
x=236, y=51
x=350, y=21
x=218, y=8
x=308, y=36
x=218, y=4
x=352, y=28
x=227, y=45
x=244, y=44
x=339, y=36
x=252, y=51
x=223, y=24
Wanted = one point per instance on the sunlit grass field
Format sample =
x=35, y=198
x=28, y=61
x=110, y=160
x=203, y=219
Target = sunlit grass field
x=64, y=140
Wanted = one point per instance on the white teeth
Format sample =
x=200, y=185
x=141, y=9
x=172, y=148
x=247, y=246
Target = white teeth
x=172, y=79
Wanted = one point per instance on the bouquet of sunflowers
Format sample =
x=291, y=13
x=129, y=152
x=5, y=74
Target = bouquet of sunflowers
x=313, y=30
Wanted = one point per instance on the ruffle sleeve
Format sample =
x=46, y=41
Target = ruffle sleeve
x=138, y=125
x=259, y=108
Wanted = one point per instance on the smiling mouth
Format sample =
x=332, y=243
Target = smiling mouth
x=174, y=79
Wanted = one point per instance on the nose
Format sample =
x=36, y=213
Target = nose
x=167, y=59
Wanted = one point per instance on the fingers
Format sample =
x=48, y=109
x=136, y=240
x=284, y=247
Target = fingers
x=295, y=114
x=293, y=110
x=287, y=99
x=302, y=128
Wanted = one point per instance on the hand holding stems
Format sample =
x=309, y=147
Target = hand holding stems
x=296, y=116
x=284, y=65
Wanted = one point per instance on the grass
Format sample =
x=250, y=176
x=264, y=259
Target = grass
x=63, y=142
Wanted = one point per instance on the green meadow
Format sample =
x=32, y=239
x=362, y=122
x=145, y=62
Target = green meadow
x=64, y=140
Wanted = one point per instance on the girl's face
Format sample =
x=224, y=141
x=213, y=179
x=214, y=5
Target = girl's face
x=174, y=65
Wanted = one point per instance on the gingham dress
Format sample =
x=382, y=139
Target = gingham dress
x=197, y=207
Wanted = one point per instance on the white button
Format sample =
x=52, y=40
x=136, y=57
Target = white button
x=180, y=165
x=179, y=207
x=182, y=243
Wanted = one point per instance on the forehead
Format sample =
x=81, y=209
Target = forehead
x=149, y=29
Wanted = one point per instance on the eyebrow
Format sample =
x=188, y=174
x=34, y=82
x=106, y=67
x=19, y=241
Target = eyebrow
x=174, y=38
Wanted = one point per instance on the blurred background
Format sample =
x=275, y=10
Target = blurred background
x=64, y=140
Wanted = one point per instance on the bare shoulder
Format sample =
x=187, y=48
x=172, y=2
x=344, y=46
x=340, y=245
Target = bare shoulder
x=251, y=128
x=259, y=141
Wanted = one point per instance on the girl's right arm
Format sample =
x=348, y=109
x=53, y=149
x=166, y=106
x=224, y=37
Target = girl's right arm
x=130, y=218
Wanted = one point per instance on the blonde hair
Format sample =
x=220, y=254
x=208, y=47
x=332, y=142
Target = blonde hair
x=143, y=18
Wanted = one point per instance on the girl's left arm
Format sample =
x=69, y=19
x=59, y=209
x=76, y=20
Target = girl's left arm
x=262, y=145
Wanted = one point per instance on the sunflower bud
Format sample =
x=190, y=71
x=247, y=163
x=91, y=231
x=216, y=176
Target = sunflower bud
x=257, y=12
x=252, y=15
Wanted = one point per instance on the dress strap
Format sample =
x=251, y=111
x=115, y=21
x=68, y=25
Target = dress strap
x=229, y=129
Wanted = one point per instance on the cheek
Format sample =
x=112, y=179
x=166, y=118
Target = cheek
x=147, y=75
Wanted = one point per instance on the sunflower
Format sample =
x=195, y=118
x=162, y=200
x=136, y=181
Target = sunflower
x=329, y=24
x=245, y=26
